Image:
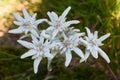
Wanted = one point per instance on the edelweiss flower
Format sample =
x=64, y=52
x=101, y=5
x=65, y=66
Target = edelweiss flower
x=92, y=43
x=38, y=49
x=26, y=24
x=70, y=44
x=58, y=24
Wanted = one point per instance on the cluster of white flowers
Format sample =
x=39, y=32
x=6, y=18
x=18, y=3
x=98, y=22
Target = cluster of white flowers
x=58, y=38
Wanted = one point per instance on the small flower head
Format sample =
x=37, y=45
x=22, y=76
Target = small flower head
x=38, y=49
x=26, y=24
x=70, y=44
x=92, y=43
x=58, y=24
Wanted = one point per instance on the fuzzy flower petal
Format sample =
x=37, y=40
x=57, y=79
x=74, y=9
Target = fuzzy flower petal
x=103, y=54
x=68, y=57
x=26, y=44
x=36, y=64
x=29, y=53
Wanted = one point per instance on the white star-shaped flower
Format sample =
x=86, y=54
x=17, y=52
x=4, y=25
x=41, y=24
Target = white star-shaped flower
x=26, y=24
x=70, y=44
x=58, y=24
x=39, y=48
x=92, y=43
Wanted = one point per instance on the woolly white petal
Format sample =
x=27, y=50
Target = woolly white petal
x=65, y=13
x=68, y=23
x=26, y=44
x=26, y=15
x=68, y=58
x=36, y=64
x=94, y=53
x=104, y=37
x=55, y=32
x=29, y=53
x=78, y=52
x=34, y=32
x=43, y=33
x=50, y=28
x=42, y=39
x=65, y=37
x=34, y=16
x=103, y=54
x=18, y=23
x=24, y=36
x=34, y=39
x=84, y=42
x=50, y=16
x=95, y=35
x=26, y=31
x=54, y=16
x=48, y=55
x=17, y=31
x=90, y=35
x=37, y=55
x=87, y=53
x=81, y=34
x=63, y=50
x=39, y=21
x=76, y=35
x=18, y=17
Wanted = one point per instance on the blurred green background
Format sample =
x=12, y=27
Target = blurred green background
x=101, y=15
